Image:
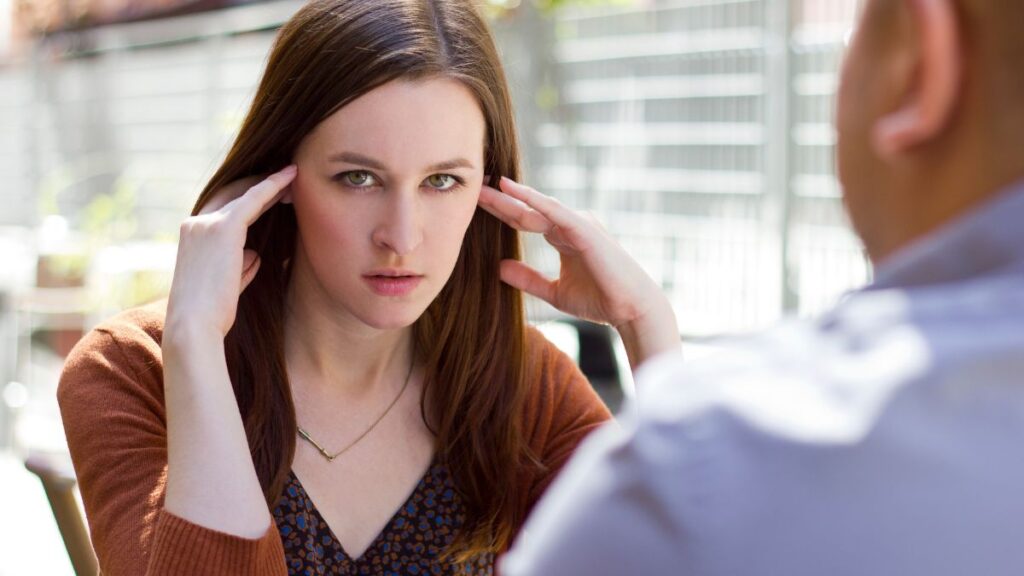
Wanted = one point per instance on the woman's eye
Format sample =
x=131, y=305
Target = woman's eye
x=357, y=179
x=442, y=181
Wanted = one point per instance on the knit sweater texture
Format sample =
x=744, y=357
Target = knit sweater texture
x=111, y=399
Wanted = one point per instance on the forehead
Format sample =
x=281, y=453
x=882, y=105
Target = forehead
x=406, y=122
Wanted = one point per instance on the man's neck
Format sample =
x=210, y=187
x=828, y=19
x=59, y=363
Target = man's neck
x=935, y=191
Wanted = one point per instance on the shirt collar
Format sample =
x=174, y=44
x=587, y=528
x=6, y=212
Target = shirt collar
x=987, y=239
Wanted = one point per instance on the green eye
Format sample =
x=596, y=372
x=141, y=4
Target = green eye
x=442, y=181
x=357, y=179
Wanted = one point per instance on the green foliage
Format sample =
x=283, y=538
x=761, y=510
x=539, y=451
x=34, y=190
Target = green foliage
x=546, y=97
x=145, y=286
x=496, y=8
x=110, y=217
x=554, y=4
x=66, y=268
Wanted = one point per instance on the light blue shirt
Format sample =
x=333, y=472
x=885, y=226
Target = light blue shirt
x=884, y=439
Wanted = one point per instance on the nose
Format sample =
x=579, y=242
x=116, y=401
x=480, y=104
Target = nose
x=400, y=228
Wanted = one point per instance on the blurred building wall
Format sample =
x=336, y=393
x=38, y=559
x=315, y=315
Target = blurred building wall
x=54, y=15
x=140, y=112
x=106, y=136
x=698, y=130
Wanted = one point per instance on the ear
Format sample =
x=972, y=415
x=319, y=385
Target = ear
x=933, y=90
x=286, y=196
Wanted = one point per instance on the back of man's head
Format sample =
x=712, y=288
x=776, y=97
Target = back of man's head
x=930, y=114
x=997, y=30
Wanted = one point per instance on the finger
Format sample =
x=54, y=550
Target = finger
x=229, y=192
x=552, y=209
x=513, y=212
x=519, y=275
x=256, y=200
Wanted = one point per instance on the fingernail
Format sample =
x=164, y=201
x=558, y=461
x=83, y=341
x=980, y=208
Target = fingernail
x=290, y=169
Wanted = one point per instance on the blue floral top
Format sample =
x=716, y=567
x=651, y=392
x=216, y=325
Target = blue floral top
x=411, y=543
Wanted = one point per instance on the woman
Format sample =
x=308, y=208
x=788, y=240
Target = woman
x=354, y=321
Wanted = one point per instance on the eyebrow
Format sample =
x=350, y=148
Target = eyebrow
x=366, y=161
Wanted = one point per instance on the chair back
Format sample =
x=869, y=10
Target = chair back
x=58, y=478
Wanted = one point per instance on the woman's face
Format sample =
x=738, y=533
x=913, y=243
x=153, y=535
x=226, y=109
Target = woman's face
x=386, y=189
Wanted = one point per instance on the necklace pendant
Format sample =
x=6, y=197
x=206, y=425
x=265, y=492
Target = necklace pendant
x=330, y=457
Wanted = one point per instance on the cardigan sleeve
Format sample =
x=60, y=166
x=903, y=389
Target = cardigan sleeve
x=562, y=410
x=112, y=404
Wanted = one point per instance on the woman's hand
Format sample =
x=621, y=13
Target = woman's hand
x=598, y=280
x=213, y=267
x=216, y=486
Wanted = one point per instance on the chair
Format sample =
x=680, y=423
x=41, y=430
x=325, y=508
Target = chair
x=58, y=478
x=595, y=349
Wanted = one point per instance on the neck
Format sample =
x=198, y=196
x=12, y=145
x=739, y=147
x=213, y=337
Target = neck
x=329, y=351
x=947, y=182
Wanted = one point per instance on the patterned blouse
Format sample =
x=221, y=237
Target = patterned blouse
x=410, y=544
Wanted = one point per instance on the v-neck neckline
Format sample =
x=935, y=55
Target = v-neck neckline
x=388, y=527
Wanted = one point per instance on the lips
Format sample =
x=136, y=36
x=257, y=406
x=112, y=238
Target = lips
x=392, y=282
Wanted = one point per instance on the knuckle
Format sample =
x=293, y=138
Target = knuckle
x=187, y=226
x=219, y=223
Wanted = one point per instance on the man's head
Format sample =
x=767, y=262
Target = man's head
x=930, y=114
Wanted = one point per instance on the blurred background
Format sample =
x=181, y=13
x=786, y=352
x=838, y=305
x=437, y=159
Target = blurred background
x=697, y=131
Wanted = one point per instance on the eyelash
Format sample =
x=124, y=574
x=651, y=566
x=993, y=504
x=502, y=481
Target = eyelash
x=340, y=179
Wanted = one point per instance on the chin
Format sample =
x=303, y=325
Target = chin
x=392, y=317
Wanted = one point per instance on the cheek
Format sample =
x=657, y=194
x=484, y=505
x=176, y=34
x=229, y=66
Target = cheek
x=329, y=229
x=323, y=223
x=856, y=164
x=851, y=122
x=846, y=93
x=464, y=215
x=450, y=226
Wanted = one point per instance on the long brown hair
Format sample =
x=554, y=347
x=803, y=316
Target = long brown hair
x=472, y=337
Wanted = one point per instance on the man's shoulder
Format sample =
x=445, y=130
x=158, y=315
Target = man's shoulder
x=879, y=358
x=800, y=382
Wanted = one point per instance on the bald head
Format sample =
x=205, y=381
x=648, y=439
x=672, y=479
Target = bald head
x=996, y=29
x=993, y=37
x=930, y=115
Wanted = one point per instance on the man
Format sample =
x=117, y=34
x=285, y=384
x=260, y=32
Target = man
x=887, y=437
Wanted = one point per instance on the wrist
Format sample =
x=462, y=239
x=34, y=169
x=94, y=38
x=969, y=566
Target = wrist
x=650, y=334
x=183, y=333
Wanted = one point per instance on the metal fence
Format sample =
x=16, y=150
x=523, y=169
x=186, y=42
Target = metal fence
x=700, y=132
x=697, y=130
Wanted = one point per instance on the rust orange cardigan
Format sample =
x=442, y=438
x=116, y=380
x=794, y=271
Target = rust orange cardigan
x=112, y=403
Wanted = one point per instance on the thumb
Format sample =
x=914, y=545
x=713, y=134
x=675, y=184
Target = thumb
x=519, y=275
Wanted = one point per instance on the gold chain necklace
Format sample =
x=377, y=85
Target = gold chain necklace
x=330, y=457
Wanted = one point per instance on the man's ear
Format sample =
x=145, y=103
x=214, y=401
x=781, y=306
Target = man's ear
x=286, y=196
x=933, y=89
